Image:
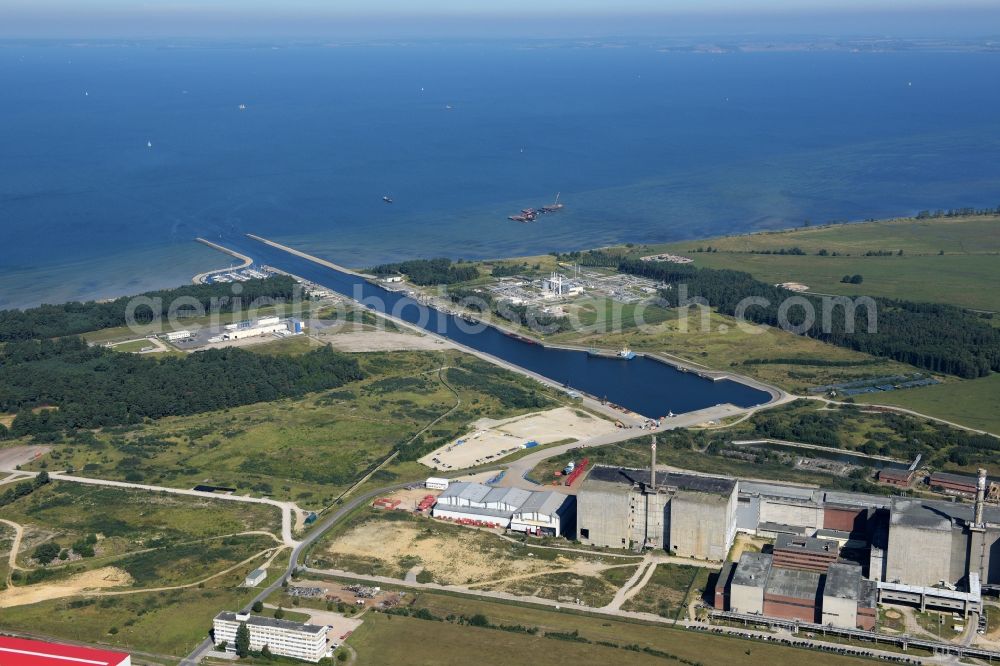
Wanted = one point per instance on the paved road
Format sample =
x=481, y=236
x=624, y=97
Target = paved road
x=900, y=410
x=607, y=612
x=293, y=562
x=517, y=469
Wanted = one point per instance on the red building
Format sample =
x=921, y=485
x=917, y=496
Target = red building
x=24, y=652
x=900, y=478
x=954, y=483
x=793, y=594
x=805, y=553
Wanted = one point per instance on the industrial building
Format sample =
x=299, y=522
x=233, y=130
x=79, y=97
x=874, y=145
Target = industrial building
x=255, y=578
x=953, y=483
x=25, y=652
x=839, y=596
x=685, y=514
x=932, y=554
x=808, y=554
x=542, y=513
x=936, y=554
x=177, y=335
x=901, y=478
x=282, y=637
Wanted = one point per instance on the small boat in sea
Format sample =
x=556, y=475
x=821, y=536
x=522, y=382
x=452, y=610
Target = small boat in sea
x=149, y=144
x=243, y=107
x=387, y=199
x=626, y=353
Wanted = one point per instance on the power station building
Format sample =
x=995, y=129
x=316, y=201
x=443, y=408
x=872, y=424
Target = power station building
x=684, y=514
x=835, y=553
x=838, y=595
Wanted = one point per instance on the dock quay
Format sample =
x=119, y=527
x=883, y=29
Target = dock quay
x=201, y=277
x=309, y=257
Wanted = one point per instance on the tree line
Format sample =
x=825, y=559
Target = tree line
x=73, y=318
x=429, y=271
x=958, y=212
x=93, y=387
x=939, y=338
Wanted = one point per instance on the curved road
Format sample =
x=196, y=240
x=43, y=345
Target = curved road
x=293, y=562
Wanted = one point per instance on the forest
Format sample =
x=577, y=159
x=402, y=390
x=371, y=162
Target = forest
x=430, y=271
x=939, y=338
x=73, y=318
x=56, y=385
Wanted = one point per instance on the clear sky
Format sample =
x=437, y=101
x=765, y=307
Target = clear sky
x=233, y=18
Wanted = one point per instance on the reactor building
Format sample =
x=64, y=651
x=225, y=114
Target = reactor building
x=685, y=514
x=835, y=554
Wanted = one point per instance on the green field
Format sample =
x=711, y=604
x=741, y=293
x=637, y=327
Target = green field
x=669, y=590
x=956, y=235
x=950, y=279
x=308, y=449
x=6, y=540
x=974, y=403
x=134, y=346
x=396, y=640
x=970, y=259
x=169, y=623
x=722, y=345
x=158, y=538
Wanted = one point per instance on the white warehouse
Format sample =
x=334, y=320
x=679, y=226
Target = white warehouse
x=282, y=637
x=548, y=512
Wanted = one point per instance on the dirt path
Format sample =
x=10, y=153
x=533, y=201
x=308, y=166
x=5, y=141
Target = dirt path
x=14, y=478
x=89, y=584
x=638, y=581
x=14, y=548
x=287, y=508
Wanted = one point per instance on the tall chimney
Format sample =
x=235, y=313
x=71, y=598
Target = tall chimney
x=980, y=497
x=652, y=467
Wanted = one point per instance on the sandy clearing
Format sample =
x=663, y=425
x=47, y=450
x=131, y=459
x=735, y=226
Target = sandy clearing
x=409, y=499
x=376, y=341
x=492, y=440
x=88, y=581
x=14, y=456
x=451, y=560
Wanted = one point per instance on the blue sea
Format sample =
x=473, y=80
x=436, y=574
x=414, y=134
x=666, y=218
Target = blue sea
x=114, y=157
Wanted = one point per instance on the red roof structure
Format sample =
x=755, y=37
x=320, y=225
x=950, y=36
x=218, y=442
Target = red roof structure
x=24, y=652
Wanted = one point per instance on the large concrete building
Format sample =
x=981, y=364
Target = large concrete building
x=285, y=638
x=849, y=600
x=942, y=543
x=747, y=583
x=837, y=596
x=685, y=514
x=929, y=553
